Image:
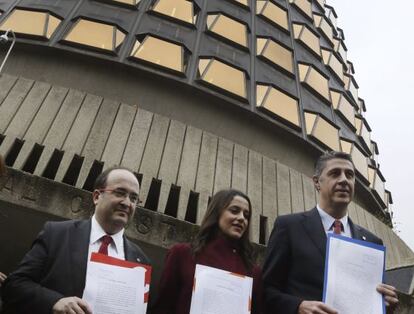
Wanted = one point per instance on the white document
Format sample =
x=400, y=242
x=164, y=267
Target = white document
x=216, y=291
x=353, y=270
x=115, y=286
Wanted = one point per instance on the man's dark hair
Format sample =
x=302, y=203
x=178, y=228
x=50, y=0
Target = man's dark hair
x=100, y=182
x=2, y=166
x=324, y=158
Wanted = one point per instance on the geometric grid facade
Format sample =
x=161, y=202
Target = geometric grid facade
x=284, y=61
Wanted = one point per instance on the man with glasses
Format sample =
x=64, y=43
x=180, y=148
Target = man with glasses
x=51, y=277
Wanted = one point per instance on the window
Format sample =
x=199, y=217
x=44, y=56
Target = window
x=278, y=103
x=160, y=52
x=93, y=34
x=275, y=53
x=315, y=80
x=322, y=130
x=32, y=23
x=388, y=199
x=350, y=68
x=242, y=2
x=228, y=28
x=130, y=2
x=379, y=186
x=223, y=76
x=273, y=13
x=360, y=161
x=346, y=146
x=307, y=37
x=350, y=86
x=331, y=15
x=177, y=9
x=362, y=131
x=371, y=176
x=333, y=63
x=377, y=183
x=342, y=105
x=374, y=150
x=340, y=48
x=321, y=3
x=304, y=6
x=361, y=105
x=324, y=26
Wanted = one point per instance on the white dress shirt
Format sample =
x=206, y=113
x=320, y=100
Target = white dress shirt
x=115, y=249
x=328, y=220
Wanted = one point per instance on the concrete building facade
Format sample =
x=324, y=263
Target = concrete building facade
x=194, y=96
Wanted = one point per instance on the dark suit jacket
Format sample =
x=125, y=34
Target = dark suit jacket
x=293, y=269
x=55, y=267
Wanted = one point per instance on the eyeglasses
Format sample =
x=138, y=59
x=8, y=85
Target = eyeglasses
x=133, y=197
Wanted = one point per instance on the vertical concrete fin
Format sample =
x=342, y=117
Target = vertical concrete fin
x=205, y=172
x=13, y=101
x=186, y=177
x=269, y=194
x=239, y=170
x=308, y=192
x=55, y=136
x=117, y=140
x=296, y=191
x=137, y=140
x=170, y=162
x=254, y=191
x=152, y=155
x=222, y=178
x=28, y=109
x=283, y=190
x=79, y=133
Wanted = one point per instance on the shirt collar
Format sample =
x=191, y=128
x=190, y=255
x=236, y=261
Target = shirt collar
x=328, y=220
x=97, y=232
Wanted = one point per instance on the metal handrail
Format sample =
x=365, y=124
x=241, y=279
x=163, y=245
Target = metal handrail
x=5, y=38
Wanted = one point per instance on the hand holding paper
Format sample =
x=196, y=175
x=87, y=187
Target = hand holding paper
x=66, y=305
x=353, y=270
x=116, y=286
x=217, y=291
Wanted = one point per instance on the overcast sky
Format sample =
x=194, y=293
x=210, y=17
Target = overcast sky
x=379, y=38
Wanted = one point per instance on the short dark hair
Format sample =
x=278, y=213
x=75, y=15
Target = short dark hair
x=101, y=180
x=2, y=166
x=324, y=158
x=209, y=227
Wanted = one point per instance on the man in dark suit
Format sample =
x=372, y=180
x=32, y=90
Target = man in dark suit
x=51, y=276
x=293, y=270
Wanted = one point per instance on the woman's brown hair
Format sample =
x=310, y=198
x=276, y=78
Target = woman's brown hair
x=209, y=226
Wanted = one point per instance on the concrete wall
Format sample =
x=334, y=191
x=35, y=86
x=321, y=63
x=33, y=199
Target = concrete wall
x=38, y=120
x=70, y=136
x=160, y=95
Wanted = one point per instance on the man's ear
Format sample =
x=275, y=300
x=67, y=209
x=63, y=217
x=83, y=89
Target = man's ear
x=315, y=180
x=95, y=196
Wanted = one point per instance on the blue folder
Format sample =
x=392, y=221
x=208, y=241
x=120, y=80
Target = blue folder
x=358, y=242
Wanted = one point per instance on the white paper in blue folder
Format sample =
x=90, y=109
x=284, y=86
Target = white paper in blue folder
x=353, y=270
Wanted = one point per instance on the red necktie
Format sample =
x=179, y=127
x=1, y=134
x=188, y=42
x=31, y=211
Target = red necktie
x=337, y=227
x=105, y=241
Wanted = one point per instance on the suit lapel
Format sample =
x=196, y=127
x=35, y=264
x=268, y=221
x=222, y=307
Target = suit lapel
x=79, y=242
x=130, y=252
x=313, y=226
x=356, y=231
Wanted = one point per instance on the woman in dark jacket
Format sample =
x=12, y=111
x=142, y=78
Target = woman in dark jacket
x=222, y=242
